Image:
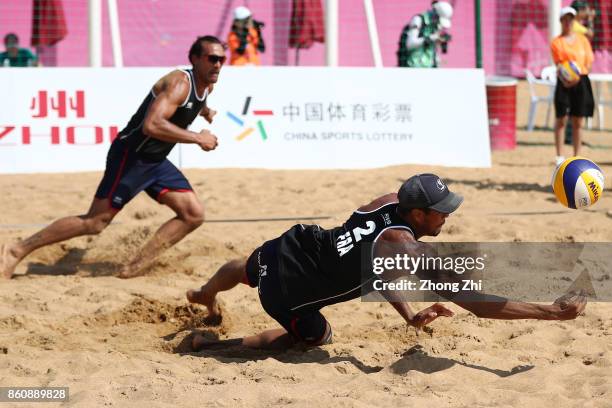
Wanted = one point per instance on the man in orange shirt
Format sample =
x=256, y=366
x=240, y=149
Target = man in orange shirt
x=575, y=98
x=244, y=40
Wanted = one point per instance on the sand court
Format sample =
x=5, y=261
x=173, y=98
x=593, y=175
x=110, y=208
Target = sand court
x=65, y=320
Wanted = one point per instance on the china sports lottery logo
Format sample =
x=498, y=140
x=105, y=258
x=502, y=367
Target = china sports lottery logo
x=250, y=129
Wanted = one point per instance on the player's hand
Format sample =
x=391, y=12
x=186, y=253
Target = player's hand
x=566, y=83
x=570, y=305
x=591, y=14
x=207, y=141
x=208, y=114
x=434, y=37
x=429, y=314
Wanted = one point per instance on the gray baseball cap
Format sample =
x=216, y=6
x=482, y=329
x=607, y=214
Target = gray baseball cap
x=428, y=191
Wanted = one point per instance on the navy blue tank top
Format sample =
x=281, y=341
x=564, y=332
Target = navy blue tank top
x=153, y=149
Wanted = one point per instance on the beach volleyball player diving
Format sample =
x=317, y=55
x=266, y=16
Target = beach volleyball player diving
x=308, y=268
x=137, y=161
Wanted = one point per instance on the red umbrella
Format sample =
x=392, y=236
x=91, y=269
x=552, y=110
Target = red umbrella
x=48, y=22
x=306, y=24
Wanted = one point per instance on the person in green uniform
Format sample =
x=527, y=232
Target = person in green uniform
x=15, y=56
x=420, y=39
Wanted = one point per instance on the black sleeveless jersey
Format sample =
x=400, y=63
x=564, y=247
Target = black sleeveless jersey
x=153, y=149
x=319, y=267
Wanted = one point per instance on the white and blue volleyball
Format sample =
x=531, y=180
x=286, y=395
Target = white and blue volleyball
x=578, y=182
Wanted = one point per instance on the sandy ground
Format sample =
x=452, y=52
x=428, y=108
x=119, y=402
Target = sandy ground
x=69, y=322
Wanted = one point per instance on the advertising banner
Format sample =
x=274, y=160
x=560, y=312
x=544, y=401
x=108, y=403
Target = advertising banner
x=63, y=119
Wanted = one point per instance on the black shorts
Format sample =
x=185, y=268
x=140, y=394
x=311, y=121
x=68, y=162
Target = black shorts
x=127, y=174
x=308, y=326
x=575, y=101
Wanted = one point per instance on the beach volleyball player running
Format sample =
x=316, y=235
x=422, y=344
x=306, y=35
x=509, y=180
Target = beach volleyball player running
x=137, y=161
x=308, y=268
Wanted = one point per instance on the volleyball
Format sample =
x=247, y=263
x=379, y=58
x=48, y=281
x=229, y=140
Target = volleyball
x=578, y=183
x=569, y=70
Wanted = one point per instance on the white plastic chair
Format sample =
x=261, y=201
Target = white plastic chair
x=549, y=74
x=535, y=98
x=601, y=103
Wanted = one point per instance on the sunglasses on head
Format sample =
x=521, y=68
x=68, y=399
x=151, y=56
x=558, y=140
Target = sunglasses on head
x=213, y=59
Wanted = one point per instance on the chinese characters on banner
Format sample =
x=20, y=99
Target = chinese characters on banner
x=337, y=112
x=42, y=103
x=46, y=108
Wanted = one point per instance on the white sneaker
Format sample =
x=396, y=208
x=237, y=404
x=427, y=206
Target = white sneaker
x=559, y=160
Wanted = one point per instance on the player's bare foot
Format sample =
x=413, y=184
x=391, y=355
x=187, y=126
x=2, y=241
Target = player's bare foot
x=204, y=298
x=198, y=342
x=127, y=272
x=8, y=262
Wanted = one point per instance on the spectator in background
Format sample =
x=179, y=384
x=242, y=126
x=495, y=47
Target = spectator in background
x=15, y=56
x=421, y=37
x=573, y=98
x=244, y=40
x=583, y=24
x=585, y=19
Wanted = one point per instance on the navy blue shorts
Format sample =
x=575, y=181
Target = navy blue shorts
x=127, y=174
x=308, y=326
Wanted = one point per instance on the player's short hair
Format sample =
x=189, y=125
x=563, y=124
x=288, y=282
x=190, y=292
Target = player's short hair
x=196, y=48
x=11, y=36
x=579, y=5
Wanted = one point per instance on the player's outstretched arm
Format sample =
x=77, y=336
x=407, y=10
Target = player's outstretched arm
x=564, y=308
x=489, y=306
x=482, y=305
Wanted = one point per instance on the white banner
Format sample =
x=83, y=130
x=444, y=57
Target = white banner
x=63, y=119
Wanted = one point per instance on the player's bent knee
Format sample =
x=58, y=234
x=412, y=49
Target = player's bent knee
x=95, y=225
x=194, y=216
x=327, y=338
x=194, y=221
x=312, y=332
